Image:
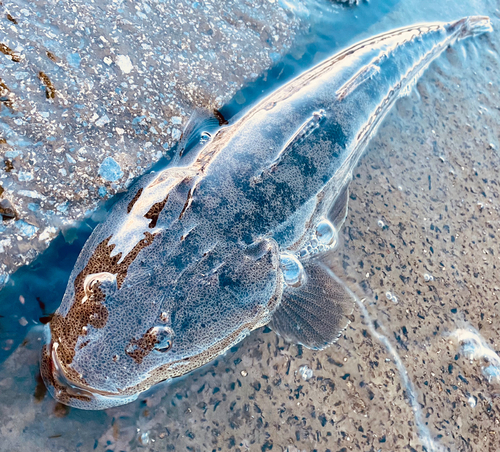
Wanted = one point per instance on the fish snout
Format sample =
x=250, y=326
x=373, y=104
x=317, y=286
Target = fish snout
x=67, y=387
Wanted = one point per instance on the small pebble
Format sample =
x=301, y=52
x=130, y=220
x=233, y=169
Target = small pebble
x=472, y=401
x=305, y=372
x=144, y=438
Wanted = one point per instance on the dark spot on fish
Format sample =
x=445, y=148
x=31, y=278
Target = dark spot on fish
x=134, y=200
x=218, y=115
x=2, y=190
x=9, y=17
x=154, y=212
x=50, y=91
x=40, y=389
x=138, y=349
x=52, y=56
x=8, y=51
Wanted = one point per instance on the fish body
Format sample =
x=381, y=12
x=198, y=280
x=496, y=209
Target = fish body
x=226, y=239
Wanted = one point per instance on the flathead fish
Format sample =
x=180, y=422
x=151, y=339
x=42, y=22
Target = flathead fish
x=228, y=238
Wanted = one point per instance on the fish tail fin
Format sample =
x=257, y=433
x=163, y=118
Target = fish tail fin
x=471, y=26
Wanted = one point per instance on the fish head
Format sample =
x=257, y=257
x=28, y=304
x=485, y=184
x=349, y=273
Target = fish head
x=124, y=326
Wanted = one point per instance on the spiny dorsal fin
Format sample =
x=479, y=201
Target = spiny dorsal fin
x=315, y=313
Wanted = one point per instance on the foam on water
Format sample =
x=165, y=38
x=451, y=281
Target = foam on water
x=475, y=348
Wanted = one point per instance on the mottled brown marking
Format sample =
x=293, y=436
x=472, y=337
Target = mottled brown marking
x=8, y=166
x=138, y=349
x=2, y=190
x=52, y=56
x=50, y=90
x=9, y=17
x=67, y=330
x=8, y=51
x=154, y=212
x=134, y=200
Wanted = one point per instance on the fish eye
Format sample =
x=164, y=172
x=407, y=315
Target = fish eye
x=164, y=338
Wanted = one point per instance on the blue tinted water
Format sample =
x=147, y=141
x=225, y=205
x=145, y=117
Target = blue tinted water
x=184, y=414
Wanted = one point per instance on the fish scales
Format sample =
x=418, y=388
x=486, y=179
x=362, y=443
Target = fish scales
x=224, y=240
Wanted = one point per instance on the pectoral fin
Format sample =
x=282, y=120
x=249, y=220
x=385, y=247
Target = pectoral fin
x=315, y=313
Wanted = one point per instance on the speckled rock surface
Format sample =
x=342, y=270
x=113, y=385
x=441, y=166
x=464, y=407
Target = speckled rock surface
x=93, y=93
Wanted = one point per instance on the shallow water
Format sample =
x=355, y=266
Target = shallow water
x=417, y=369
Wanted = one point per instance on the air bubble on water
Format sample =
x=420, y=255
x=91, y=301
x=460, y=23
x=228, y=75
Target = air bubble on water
x=293, y=271
x=205, y=137
x=380, y=223
x=428, y=277
x=305, y=372
x=326, y=233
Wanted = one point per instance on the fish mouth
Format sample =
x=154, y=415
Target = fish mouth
x=68, y=391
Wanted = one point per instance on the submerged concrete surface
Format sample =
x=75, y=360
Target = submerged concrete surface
x=424, y=203
x=94, y=92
